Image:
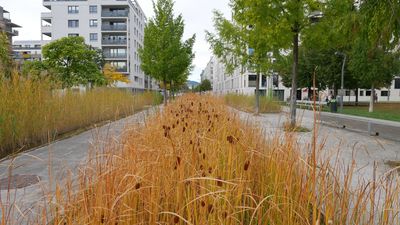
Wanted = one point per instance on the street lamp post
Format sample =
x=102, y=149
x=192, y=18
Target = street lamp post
x=342, y=80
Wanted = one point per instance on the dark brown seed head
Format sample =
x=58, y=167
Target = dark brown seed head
x=137, y=186
x=204, y=155
x=246, y=165
x=210, y=170
x=176, y=219
x=224, y=215
x=183, y=129
x=102, y=219
x=178, y=160
x=210, y=208
x=203, y=204
x=230, y=139
x=219, y=181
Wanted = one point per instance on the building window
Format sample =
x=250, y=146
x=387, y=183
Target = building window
x=348, y=93
x=93, y=37
x=73, y=23
x=252, y=80
x=73, y=9
x=397, y=83
x=384, y=93
x=361, y=93
x=93, y=9
x=93, y=23
x=368, y=93
x=73, y=35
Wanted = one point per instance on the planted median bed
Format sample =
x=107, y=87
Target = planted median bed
x=247, y=103
x=32, y=114
x=196, y=162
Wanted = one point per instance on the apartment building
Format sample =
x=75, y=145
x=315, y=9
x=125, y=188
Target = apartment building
x=115, y=26
x=244, y=82
x=29, y=50
x=6, y=25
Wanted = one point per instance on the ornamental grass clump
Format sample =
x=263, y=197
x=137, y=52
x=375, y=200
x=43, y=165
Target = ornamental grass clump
x=196, y=162
x=247, y=103
x=31, y=113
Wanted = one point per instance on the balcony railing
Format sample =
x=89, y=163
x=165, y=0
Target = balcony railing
x=113, y=42
x=122, y=69
x=121, y=13
x=115, y=55
x=106, y=27
x=26, y=48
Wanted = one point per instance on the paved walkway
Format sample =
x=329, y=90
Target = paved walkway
x=376, y=127
x=65, y=157
x=54, y=164
x=339, y=144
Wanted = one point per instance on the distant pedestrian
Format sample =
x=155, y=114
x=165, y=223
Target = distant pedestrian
x=376, y=97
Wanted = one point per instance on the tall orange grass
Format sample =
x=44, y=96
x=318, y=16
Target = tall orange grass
x=198, y=163
x=31, y=113
x=247, y=103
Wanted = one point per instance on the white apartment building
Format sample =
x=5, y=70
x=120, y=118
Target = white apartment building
x=115, y=26
x=29, y=50
x=244, y=82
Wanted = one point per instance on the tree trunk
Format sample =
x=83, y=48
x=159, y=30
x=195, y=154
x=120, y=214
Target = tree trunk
x=371, y=101
x=171, y=90
x=257, y=109
x=165, y=93
x=356, y=96
x=294, y=78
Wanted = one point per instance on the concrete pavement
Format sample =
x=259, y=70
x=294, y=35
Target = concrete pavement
x=375, y=127
x=54, y=164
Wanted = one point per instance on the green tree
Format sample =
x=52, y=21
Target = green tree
x=73, y=62
x=281, y=23
x=164, y=55
x=205, y=85
x=374, y=56
x=241, y=44
x=6, y=63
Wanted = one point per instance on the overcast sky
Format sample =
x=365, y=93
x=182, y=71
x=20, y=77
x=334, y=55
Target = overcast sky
x=197, y=14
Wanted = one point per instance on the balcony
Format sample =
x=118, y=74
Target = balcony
x=117, y=13
x=107, y=27
x=108, y=55
x=46, y=29
x=46, y=16
x=114, y=42
x=122, y=69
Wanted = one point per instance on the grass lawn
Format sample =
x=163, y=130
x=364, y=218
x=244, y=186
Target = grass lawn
x=385, y=111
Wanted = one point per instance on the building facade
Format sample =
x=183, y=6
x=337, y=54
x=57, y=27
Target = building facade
x=115, y=26
x=244, y=82
x=6, y=25
x=27, y=50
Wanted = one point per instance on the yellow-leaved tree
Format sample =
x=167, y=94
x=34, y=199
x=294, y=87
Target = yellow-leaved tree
x=112, y=75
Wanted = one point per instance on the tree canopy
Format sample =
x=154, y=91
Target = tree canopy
x=74, y=62
x=165, y=56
